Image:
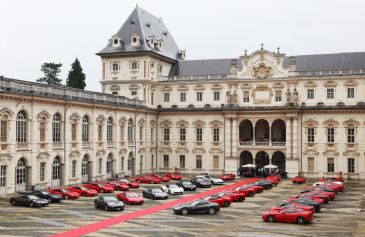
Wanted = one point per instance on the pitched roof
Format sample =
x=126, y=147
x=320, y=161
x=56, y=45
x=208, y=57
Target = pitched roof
x=310, y=63
x=143, y=24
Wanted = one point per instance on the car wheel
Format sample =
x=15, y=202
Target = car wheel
x=184, y=212
x=212, y=182
x=300, y=220
x=240, y=199
x=250, y=194
x=84, y=194
x=226, y=204
x=102, y=190
x=106, y=208
x=95, y=205
x=271, y=219
x=13, y=203
x=66, y=197
x=211, y=211
x=152, y=182
x=31, y=204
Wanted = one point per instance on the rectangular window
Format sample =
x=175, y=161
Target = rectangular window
x=216, y=134
x=199, y=96
x=100, y=132
x=115, y=93
x=166, y=97
x=42, y=170
x=73, y=169
x=152, y=133
x=141, y=133
x=330, y=93
x=122, y=133
x=133, y=93
x=166, y=134
x=42, y=132
x=4, y=131
x=246, y=96
x=277, y=95
x=100, y=166
x=330, y=135
x=330, y=165
x=351, y=135
x=199, y=134
x=115, y=66
x=351, y=165
x=134, y=65
x=350, y=93
x=310, y=135
x=166, y=161
x=73, y=132
x=199, y=162
x=216, y=95
x=182, y=161
x=3, y=176
x=310, y=164
x=310, y=94
x=182, y=134
x=215, y=162
x=182, y=97
x=152, y=99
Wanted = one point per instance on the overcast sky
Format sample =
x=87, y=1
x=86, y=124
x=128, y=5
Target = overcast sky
x=38, y=31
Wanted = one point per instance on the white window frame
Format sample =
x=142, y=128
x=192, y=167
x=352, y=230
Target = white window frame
x=166, y=134
x=310, y=94
x=166, y=97
x=216, y=95
x=350, y=93
x=182, y=134
x=330, y=93
x=199, y=96
x=182, y=97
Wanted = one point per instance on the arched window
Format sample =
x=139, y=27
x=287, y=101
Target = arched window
x=21, y=127
x=130, y=130
x=100, y=130
x=4, y=129
x=109, y=130
x=21, y=172
x=73, y=131
x=56, y=128
x=85, y=129
x=84, y=166
x=42, y=130
x=56, y=168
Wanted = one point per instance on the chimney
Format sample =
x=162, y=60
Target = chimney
x=233, y=70
x=292, y=65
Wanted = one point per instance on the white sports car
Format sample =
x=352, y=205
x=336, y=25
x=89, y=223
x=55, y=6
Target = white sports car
x=213, y=180
x=172, y=189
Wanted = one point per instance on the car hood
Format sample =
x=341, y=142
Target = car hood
x=55, y=196
x=176, y=189
x=115, y=203
x=40, y=200
x=217, y=180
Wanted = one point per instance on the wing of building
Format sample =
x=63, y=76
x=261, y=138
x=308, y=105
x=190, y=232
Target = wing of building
x=159, y=112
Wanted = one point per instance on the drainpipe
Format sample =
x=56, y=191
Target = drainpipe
x=64, y=145
x=156, y=145
x=224, y=143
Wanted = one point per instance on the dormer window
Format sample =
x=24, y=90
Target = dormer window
x=116, y=42
x=182, y=54
x=134, y=41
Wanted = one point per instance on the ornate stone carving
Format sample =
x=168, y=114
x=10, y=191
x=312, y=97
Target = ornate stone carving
x=231, y=98
x=310, y=123
x=262, y=71
x=310, y=84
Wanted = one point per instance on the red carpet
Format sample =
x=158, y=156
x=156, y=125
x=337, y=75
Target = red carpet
x=125, y=217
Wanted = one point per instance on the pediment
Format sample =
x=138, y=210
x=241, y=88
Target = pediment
x=114, y=87
x=182, y=88
x=216, y=123
x=134, y=87
x=330, y=84
x=351, y=122
x=351, y=83
x=43, y=115
x=165, y=123
x=7, y=112
x=216, y=87
x=199, y=87
x=246, y=86
x=310, y=84
x=278, y=85
x=310, y=123
x=199, y=123
x=198, y=151
x=329, y=122
x=182, y=150
x=75, y=117
x=123, y=151
x=166, y=88
x=182, y=123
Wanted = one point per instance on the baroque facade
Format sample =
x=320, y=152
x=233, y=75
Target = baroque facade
x=158, y=112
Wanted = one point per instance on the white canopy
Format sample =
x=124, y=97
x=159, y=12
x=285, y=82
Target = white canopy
x=249, y=166
x=270, y=167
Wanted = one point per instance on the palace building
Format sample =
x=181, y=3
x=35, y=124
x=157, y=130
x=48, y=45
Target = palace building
x=158, y=111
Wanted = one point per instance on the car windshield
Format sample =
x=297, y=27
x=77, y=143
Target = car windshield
x=213, y=177
x=131, y=195
x=173, y=186
x=32, y=197
x=82, y=188
x=187, y=183
x=108, y=199
x=64, y=190
x=156, y=190
x=124, y=181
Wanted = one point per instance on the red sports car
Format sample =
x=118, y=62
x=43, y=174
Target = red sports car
x=132, y=184
x=82, y=191
x=130, y=198
x=227, y=177
x=173, y=176
x=234, y=195
x=247, y=191
x=222, y=201
x=298, y=180
x=163, y=179
x=273, y=179
x=258, y=189
x=290, y=205
x=118, y=186
x=66, y=194
x=316, y=199
x=288, y=215
x=100, y=188
x=148, y=179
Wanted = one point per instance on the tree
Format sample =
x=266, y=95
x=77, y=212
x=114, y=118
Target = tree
x=76, y=78
x=51, y=71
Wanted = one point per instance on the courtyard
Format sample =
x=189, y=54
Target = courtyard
x=344, y=216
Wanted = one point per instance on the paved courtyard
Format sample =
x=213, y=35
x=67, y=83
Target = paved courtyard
x=342, y=217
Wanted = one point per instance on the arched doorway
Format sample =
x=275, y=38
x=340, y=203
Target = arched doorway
x=85, y=169
x=21, y=175
x=56, y=172
x=261, y=159
x=262, y=133
x=246, y=132
x=278, y=133
x=278, y=159
x=246, y=158
x=131, y=164
x=109, y=167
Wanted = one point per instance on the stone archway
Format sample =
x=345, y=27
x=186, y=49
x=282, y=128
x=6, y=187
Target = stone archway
x=278, y=133
x=278, y=159
x=261, y=159
x=262, y=133
x=246, y=132
x=246, y=158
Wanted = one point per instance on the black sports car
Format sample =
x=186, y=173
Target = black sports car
x=266, y=184
x=29, y=201
x=309, y=202
x=186, y=185
x=46, y=195
x=154, y=193
x=109, y=203
x=201, y=183
x=200, y=206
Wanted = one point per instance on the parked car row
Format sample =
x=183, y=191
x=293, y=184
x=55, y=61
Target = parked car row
x=300, y=208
